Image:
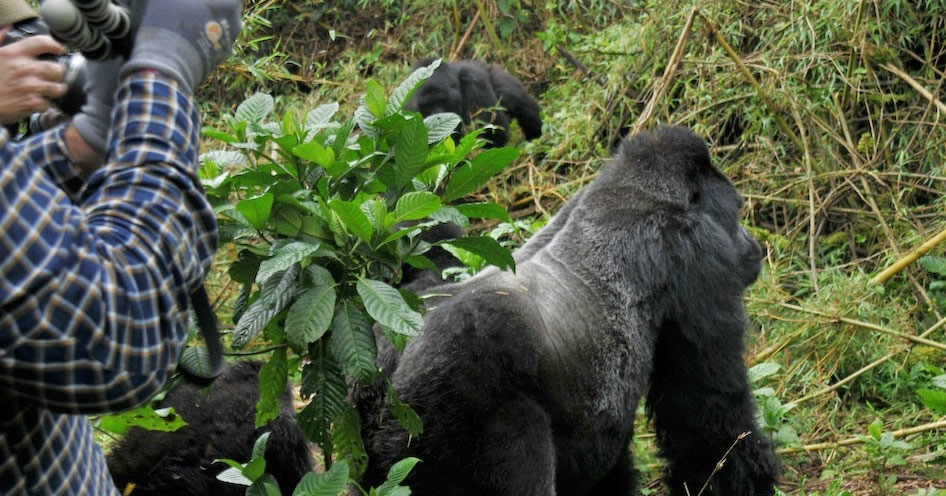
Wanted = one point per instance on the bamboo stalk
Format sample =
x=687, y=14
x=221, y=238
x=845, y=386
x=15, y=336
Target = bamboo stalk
x=861, y=439
x=664, y=82
x=865, y=369
x=909, y=258
x=755, y=84
x=868, y=325
x=916, y=85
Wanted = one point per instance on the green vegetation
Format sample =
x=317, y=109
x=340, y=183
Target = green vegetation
x=826, y=114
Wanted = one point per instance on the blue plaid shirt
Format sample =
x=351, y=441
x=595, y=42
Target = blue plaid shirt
x=94, y=283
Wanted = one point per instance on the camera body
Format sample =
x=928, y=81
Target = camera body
x=74, y=98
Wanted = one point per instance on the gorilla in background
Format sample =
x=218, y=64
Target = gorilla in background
x=528, y=383
x=220, y=425
x=468, y=88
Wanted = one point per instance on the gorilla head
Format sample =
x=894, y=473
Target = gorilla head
x=470, y=88
x=528, y=383
x=221, y=424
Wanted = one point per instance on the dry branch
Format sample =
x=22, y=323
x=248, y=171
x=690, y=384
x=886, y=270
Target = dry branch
x=911, y=257
x=664, y=82
x=916, y=85
x=861, y=439
x=868, y=325
x=755, y=83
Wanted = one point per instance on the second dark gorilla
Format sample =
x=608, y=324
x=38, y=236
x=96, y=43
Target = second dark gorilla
x=468, y=88
x=221, y=424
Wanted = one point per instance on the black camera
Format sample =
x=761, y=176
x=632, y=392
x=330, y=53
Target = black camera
x=74, y=98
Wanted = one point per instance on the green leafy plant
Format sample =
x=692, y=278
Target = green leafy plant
x=324, y=214
x=773, y=414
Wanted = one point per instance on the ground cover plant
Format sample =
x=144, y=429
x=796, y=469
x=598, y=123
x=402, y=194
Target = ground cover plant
x=827, y=115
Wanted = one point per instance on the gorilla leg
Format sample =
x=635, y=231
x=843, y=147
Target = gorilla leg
x=701, y=404
x=513, y=96
x=622, y=480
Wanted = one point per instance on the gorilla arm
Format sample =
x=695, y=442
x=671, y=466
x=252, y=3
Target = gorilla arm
x=514, y=97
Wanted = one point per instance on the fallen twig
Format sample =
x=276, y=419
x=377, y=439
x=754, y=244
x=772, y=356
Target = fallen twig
x=861, y=439
x=909, y=258
x=466, y=37
x=660, y=88
x=755, y=84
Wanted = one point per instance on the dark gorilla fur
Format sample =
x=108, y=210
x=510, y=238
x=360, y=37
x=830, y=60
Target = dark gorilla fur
x=221, y=424
x=527, y=383
x=469, y=87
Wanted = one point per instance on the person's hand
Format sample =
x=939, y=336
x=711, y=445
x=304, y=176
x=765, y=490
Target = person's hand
x=183, y=39
x=27, y=84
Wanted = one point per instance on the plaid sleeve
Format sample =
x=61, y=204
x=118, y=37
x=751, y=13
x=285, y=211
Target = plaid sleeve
x=47, y=151
x=94, y=292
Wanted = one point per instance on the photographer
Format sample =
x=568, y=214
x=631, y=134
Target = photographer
x=95, y=276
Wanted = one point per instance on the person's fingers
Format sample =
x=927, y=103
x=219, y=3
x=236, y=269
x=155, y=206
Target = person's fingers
x=3, y=32
x=35, y=103
x=53, y=72
x=35, y=46
x=50, y=90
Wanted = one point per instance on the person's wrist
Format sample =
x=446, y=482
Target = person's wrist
x=80, y=152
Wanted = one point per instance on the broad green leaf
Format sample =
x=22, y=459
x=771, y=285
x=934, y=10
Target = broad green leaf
x=365, y=119
x=410, y=152
x=272, y=383
x=934, y=264
x=264, y=486
x=284, y=258
x=448, y=213
x=255, y=108
x=224, y=158
x=762, y=370
x=876, y=429
x=318, y=276
x=468, y=178
x=487, y=248
x=403, y=92
x=352, y=341
x=386, y=305
x=310, y=316
x=320, y=117
x=404, y=414
x=440, y=126
x=323, y=380
x=196, y=360
x=416, y=205
x=212, y=133
x=329, y=483
x=484, y=210
x=375, y=99
x=934, y=400
x=346, y=436
x=164, y=420
x=420, y=262
x=254, y=469
x=234, y=476
x=315, y=153
x=353, y=218
x=275, y=295
x=940, y=381
x=256, y=210
x=259, y=446
x=396, y=475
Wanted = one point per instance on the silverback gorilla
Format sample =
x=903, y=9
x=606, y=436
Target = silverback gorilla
x=528, y=383
x=468, y=88
x=221, y=424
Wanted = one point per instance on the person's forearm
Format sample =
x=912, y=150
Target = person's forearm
x=94, y=296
